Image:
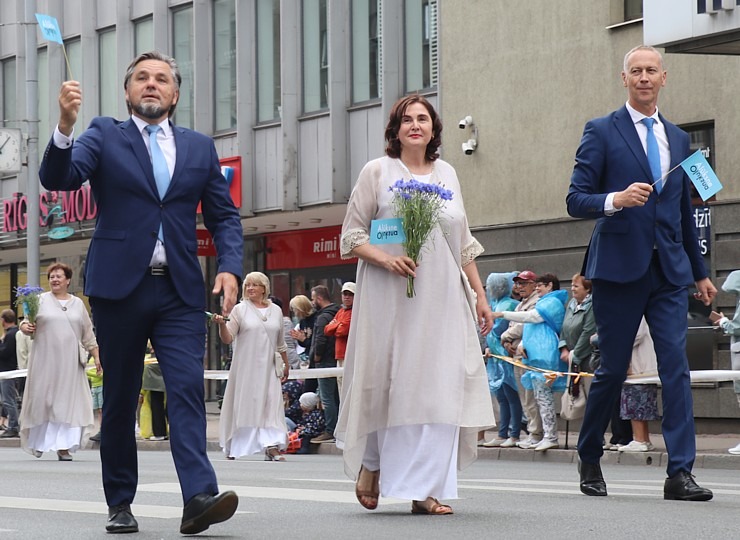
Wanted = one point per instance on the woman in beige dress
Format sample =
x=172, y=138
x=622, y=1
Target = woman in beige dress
x=252, y=415
x=415, y=392
x=57, y=412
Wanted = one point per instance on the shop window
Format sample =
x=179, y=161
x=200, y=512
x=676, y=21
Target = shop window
x=8, y=101
x=366, y=50
x=182, y=49
x=268, y=60
x=315, y=56
x=42, y=68
x=420, y=29
x=632, y=10
x=109, y=93
x=224, y=53
x=143, y=36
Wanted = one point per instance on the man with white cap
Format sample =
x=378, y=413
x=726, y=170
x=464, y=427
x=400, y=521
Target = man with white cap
x=339, y=326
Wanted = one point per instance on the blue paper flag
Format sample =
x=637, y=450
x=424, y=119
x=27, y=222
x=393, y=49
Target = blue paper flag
x=387, y=231
x=49, y=28
x=701, y=174
x=228, y=173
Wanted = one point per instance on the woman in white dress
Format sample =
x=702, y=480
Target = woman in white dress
x=57, y=412
x=252, y=415
x=415, y=391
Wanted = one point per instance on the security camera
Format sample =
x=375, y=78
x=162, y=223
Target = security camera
x=465, y=122
x=469, y=146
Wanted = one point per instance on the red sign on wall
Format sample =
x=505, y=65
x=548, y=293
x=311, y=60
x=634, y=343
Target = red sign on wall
x=304, y=249
x=206, y=247
x=231, y=167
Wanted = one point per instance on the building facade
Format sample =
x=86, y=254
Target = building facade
x=296, y=94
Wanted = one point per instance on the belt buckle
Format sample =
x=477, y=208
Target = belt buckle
x=158, y=270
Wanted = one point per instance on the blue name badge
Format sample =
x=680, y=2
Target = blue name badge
x=387, y=231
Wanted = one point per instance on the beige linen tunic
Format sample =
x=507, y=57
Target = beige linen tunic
x=253, y=399
x=411, y=361
x=57, y=390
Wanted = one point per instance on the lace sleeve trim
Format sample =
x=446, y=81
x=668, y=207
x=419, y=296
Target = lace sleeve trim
x=350, y=240
x=470, y=252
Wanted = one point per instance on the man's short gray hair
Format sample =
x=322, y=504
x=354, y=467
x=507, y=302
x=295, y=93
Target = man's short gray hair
x=642, y=48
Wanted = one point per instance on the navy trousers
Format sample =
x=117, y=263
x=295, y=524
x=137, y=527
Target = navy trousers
x=154, y=311
x=618, y=308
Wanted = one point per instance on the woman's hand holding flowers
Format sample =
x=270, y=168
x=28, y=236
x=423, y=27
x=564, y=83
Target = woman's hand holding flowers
x=401, y=265
x=27, y=328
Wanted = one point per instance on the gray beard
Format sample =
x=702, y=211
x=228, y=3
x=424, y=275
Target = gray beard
x=150, y=111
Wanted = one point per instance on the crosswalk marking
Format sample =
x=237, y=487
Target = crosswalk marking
x=86, y=507
x=261, y=492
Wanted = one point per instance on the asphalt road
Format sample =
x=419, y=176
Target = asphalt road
x=309, y=498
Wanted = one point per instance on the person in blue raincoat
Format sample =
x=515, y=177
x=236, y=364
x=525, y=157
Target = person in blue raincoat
x=501, y=379
x=540, y=339
x=731, y=327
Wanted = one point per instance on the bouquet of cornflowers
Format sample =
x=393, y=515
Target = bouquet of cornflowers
x=28, y=297
x=418, y=205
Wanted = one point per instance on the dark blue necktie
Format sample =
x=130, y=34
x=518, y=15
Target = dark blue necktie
x=159, y=165
x=653, y=153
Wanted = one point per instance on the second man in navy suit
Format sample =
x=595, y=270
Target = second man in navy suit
x=642, y=257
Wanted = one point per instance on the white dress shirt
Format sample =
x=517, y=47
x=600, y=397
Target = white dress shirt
x=663, y=147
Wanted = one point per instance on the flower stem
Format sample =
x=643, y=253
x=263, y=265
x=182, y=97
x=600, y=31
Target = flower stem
x=410, y=293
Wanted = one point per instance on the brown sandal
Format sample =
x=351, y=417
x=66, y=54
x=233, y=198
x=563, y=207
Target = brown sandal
x=373, y=493
x=435, y=509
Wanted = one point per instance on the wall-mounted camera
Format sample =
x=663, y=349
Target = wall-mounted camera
x=469, y=146
x=465, y=122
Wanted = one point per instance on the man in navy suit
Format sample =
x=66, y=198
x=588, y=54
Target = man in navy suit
x=642, y=257
x=143, y=276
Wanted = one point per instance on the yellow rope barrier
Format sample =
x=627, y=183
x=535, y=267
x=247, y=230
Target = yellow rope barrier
x=549, y=374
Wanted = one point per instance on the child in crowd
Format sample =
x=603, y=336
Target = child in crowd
x=312, y=421
x=292, y=391
x=731, y=327
x=95, y=378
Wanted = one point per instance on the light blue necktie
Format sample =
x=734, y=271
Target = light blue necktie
x=159, y=165
x=653, y=153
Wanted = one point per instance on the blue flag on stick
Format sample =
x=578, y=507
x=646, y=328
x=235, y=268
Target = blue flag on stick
x=49, y=28
x=701, y=174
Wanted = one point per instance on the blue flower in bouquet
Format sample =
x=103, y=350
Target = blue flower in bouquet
x=418, y=204
x=28, y=298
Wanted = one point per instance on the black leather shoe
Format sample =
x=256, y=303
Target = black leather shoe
x=592, y=481
x=10, y=434
x=121, y=520
x=204, y=510
x=681, y=487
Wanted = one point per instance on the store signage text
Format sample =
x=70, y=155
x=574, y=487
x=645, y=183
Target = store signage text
x=308, y=248
x=76, y=205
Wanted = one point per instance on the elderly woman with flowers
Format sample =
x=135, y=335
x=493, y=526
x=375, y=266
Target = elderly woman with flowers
x=415, y=390
x=57, y=412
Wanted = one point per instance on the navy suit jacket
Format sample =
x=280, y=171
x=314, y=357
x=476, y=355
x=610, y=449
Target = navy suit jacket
x=609, y=159
x=113, y=156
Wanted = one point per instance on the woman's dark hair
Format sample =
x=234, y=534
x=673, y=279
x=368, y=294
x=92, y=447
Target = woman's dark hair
x=59, y=266
x=393, y=145
x=549, y=278
x=585, y=282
